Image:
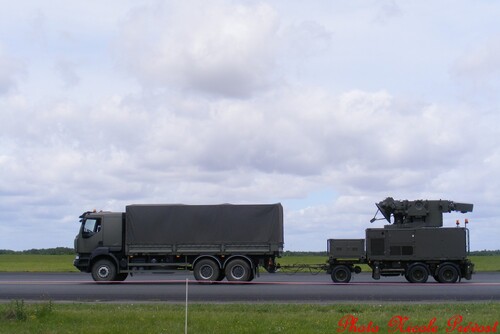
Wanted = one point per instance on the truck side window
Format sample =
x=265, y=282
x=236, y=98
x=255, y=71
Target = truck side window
x=91, y=226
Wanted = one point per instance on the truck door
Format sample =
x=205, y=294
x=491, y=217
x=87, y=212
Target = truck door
x=90, y=235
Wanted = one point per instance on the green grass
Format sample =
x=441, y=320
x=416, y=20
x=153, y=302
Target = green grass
x=36, y=263
x=19, y=317
x=486, y=263
x=64, y=263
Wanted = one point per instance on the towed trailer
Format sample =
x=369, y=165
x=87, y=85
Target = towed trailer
x=415, y=245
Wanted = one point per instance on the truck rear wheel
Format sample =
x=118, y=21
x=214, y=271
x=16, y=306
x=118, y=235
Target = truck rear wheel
x=206, y=270
x=447, y=273
x=238, y=271
x=104, y=271
x=417, y=273
x=341, y=274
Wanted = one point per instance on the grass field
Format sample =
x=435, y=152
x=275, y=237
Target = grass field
x=64, y=263
x=36, y=263
x=18, y=317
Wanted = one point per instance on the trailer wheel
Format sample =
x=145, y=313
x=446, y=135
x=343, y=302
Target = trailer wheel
x=238, y=271
x=448, y=273
x=206, y=270
x=417, y=273
x=341, y=274
x=104, y=271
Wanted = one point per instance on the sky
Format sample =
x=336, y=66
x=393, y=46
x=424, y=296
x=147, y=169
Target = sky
x=327, y=107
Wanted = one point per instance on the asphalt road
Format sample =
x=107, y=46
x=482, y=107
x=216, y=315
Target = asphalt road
x=279, y=287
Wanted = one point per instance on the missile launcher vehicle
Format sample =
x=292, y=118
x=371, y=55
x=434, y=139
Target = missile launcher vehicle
x=414, y=244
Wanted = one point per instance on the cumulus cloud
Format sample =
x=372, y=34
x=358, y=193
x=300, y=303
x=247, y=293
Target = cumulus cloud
x=362, y=144
x=218, y=48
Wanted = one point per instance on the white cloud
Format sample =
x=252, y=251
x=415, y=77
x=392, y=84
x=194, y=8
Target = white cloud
x=10, y=69
x=214, y=48
x=68, y=73
x=477, y=70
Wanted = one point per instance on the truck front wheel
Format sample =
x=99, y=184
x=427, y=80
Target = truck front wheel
x=104, y=271
x=206, y=271
x=341, y=274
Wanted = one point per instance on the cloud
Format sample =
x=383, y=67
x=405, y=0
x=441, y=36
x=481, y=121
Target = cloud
x=477, y=70
x=387, y=10
x=10, y=69
x=304, y=40
x=218, y=49
x=68, y=73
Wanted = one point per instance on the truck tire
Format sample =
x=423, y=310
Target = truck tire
x=417, y=273
x=104, y=271
x=341, y=274
x=448, y=273
x=238, y=271
x=206, y=270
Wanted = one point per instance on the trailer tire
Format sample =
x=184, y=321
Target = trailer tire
x=238, y=270
x=104, y=270
x=417, y=273
x=206, y=270
x=341, y=274
x=448, y=273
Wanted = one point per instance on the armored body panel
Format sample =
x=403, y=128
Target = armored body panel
x=346, y=248
x=409, y=244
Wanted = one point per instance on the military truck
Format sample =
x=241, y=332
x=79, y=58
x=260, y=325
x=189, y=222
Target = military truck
x=213, y=241
x=415, y=244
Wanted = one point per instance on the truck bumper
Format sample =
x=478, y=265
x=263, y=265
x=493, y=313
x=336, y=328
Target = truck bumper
x=81, y=263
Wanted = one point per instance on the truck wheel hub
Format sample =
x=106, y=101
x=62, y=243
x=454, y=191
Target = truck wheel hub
x=238, y=271
x=206, y=272
x=103, y=272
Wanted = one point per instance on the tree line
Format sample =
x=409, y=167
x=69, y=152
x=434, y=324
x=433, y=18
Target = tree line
x=43, y=251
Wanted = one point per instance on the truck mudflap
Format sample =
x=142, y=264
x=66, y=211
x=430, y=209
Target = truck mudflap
x=469, y=270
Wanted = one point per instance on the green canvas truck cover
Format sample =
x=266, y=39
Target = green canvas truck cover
x=204, y=224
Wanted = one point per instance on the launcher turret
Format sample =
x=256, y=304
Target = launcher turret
x=419, y=213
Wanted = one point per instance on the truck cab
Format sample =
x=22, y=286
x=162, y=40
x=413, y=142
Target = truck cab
x=100, y=233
